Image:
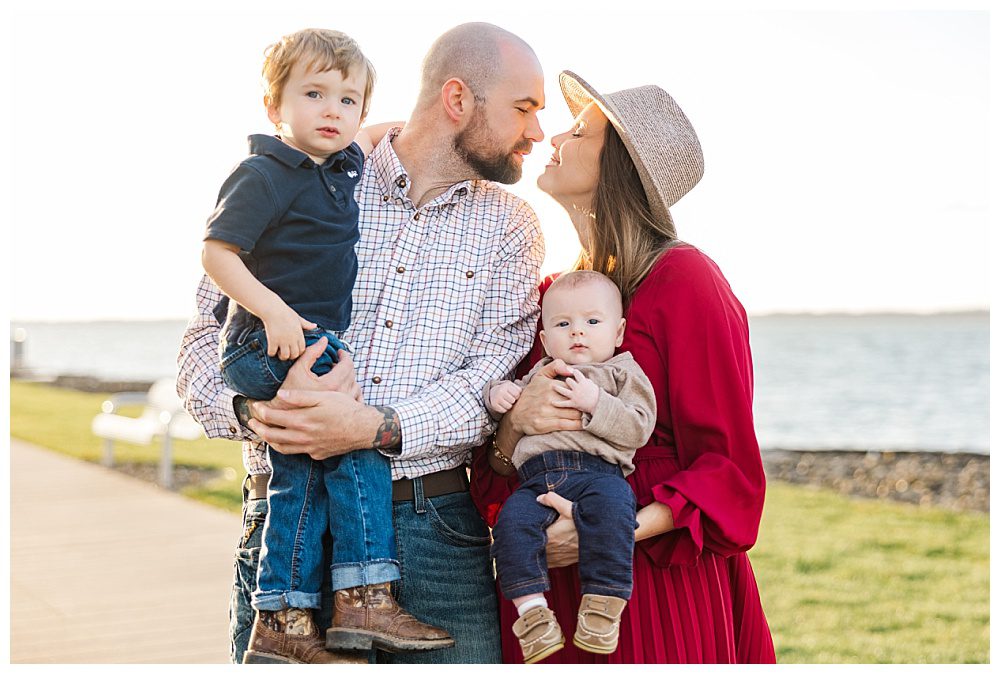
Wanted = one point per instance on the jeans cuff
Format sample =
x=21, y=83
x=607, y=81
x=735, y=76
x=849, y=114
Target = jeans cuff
x=277, y=600
x=620, y=591
x=356, y=574
x=525, y=587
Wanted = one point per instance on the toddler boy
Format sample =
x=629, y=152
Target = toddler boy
x=280, y=243
x=582, y=325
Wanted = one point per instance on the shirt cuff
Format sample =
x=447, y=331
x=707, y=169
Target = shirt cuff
x=601, y=422
x=418, y=426
x=232, y=428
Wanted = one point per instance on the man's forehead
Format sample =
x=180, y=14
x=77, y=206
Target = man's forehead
x=521, y=76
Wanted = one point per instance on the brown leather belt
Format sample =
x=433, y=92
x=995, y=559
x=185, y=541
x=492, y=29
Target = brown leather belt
x=452, y=481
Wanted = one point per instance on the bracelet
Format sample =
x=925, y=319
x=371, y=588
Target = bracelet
x=500, y=456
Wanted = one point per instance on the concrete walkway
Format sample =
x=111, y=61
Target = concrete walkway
x=108, y=569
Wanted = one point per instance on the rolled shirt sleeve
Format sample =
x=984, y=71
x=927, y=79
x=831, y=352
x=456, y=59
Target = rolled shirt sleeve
x=199, y=379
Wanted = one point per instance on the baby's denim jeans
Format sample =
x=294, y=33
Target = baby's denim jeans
x=350, y=496
x=604, y=514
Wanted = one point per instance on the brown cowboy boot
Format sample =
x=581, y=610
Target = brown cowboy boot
x=290, y=636
x=368, y=617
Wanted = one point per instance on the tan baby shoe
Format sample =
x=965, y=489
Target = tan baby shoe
x=539, y=634
x=597, y=623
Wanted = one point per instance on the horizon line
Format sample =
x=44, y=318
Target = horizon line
x=752, y=314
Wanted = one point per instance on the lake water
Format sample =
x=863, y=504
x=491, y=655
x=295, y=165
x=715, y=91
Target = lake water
x=902, y=382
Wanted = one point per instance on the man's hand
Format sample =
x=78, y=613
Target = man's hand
x=341, y=378
x=580, y=393
x=563, y=546
x=503, y=396
x=536, y=411
x=318, y=423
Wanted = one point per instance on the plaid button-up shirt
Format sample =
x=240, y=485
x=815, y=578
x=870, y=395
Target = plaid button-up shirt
x=445, y=300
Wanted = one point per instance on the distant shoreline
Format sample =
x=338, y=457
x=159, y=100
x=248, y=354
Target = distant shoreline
x=766, y=314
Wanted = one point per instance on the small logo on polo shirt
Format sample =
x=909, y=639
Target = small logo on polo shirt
x=352, y=174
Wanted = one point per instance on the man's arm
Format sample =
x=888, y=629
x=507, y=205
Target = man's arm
x=199, y=379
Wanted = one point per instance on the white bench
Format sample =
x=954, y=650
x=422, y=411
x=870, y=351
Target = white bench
x=163, y=416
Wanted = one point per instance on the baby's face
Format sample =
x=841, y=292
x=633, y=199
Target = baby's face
x=582, y=324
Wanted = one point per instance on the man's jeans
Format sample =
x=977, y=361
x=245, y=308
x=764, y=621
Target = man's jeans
x=604, y=514
x=447, y=577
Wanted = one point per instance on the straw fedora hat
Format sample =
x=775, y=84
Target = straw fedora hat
x=656, y=132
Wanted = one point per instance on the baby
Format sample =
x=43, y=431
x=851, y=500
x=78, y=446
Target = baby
x=582, y=325
x=281, y=244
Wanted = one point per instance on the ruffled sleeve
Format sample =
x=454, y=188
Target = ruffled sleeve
x=705, y=395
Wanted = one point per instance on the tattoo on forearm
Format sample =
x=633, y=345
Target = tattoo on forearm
x=389, y=435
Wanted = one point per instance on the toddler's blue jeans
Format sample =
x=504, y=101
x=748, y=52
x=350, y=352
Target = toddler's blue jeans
x=349, y=495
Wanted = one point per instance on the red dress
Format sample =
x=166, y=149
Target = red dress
x=695, y=599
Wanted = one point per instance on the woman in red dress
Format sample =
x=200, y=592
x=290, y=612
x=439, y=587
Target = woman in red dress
x=699, y=482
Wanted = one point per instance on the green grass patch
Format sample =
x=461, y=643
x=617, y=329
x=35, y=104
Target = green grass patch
x=59, y=419
x=842, y=580
x=847, y=580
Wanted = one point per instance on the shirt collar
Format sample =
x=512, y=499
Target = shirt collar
x=273, y=146
x=393, y=180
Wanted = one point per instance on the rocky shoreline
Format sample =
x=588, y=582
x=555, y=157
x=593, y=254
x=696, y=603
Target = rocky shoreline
x=958, y=481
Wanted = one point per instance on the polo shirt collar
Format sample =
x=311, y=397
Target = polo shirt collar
x=273, y=146
x=392, y=179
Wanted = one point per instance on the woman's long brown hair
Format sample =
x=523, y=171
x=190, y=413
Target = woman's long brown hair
x=623, y=239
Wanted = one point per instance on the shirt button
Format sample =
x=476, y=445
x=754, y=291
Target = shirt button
x=416, y=216
x=332, y=188
x=232, y=430
x=470, y=274
x=385, y=197
x=388, y=324
x=400, y=269
x=376, y=379
x=401, y=182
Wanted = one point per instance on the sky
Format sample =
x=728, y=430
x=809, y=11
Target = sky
x=846, y=152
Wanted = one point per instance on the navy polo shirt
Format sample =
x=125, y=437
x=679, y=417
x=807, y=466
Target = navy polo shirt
x=296, y=223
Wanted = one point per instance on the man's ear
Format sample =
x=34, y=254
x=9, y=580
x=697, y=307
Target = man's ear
x=621, y=333
x=457, y=99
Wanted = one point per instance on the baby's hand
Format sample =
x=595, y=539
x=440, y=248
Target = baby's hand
x=284, y=333
x=503, y=396
x=580, y=393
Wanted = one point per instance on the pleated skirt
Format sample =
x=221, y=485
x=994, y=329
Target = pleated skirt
x=707, y=613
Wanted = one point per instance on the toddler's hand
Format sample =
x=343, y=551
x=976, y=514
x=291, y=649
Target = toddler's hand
x=580, y=393
x=284, y=333
x=503, y=396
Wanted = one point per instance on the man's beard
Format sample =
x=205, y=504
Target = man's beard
x=482, y=152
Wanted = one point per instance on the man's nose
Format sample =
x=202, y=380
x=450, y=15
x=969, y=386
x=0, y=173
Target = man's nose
x=534, y=132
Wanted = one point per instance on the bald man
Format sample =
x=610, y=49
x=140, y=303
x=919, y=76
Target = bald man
x=445, y=301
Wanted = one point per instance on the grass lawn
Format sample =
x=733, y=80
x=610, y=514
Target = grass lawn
x=842, y=580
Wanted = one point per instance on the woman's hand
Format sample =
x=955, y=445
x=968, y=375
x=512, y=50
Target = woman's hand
x=536, y=411
x=563, y=547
